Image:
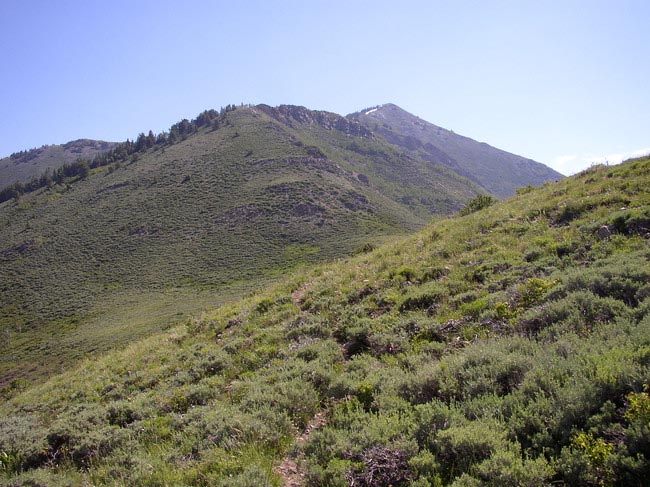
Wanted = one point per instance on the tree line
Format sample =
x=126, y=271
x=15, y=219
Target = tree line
x=121, y=152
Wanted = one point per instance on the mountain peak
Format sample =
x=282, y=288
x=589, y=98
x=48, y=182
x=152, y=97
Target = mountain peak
x=498, y=172
x=379, y=109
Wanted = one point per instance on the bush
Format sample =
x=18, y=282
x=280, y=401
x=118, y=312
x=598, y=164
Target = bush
x=382, y=467
x=506, y=468
x=579, y=311
x=621, y=279
x=477, y=203
x=461, y=447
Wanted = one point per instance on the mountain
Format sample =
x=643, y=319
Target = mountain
x=154, y=229
x=498, y=172
x=114, y=247
x=506, y=347
x=25, y=165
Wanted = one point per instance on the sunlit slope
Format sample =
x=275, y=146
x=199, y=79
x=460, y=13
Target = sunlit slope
x=506, y=347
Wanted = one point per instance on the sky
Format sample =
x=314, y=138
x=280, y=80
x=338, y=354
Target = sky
x=566, y=83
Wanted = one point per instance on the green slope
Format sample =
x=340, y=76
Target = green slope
x=219, y=211
x=498, y=172
x=507, y=347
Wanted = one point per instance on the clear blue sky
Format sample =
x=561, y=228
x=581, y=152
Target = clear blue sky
x=563, y=82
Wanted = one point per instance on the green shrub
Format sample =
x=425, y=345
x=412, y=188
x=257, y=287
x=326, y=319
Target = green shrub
x=460, y=447
x=252, y=476
x=586, y=461
x=507, y=468
x=477, y=203
x=620, y=280
x=419, y=302
x=402, y=274
x=570, y=211
x=122, y=413
x=638, y=409
x=333, y=474
x=533, y=291
x=474, y=309
x=579, y=311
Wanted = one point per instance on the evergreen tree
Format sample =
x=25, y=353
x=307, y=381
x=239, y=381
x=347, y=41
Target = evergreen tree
x=151, y=139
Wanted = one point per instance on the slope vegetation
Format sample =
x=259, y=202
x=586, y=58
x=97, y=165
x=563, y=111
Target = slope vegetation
x=209, y=207
x=507, y=347
x=498, y=172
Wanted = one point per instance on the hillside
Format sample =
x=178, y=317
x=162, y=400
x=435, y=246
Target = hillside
x=25, y=165
x=507, y=347
x=498, y=172
x=228, y=204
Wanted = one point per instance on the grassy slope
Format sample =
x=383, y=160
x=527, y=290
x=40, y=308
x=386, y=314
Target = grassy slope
x=207, y=215
x=508, y=347
x=32, y=163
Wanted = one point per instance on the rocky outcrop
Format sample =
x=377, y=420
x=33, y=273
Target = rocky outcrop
x=290, y=114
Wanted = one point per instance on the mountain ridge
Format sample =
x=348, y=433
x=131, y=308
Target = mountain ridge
x=497, y=171
x=456, y=152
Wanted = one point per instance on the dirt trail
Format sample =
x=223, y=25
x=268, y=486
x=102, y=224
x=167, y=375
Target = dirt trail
x=298, y=295
x=292, y=469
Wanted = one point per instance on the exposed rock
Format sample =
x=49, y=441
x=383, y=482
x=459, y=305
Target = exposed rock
x=604, y=232
x=307, y=209
x=288, y=114
x=363, y=179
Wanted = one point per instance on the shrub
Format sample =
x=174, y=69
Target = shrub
x=421, y=301
x=122, y=413
x=474, y=309
x=638, y=409
x=506, y=468
x=333, y=474
x=579, y=311
x=477, y=203
x=459, y=448
x=621, y=279
x=22, y=443
x=585, y=462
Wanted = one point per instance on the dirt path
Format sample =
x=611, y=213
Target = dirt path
x=298, y=295
x=292, y=469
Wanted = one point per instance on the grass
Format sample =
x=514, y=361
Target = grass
x=506, y=347
x=115, y=321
